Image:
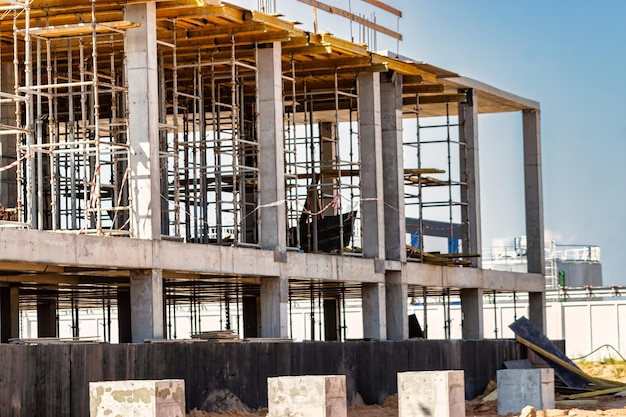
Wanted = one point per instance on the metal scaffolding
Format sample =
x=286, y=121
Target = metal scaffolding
x=71, y=127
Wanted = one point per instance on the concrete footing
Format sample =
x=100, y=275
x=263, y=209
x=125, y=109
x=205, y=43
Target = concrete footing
x=431, y=393
x=518, y=388
x=307, y=396
x=147, y=398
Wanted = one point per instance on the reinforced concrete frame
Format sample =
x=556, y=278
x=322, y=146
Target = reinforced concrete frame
x=175, y=153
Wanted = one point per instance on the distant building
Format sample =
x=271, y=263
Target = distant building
x=570, y=266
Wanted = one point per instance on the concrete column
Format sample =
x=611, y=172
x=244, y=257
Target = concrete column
x=273, y=227
x=396, y=293
x=46, y=317
x=251, y=314
x=537, y=310
x=374, y=311
x=472, y=313
x=8, y=181
x=370, y=150
x=146, y=304
x=331, y=320
x=393, y=165
x=534, y=212
x=9, y=313
x=468, y=134
x=125, y=334
x=328, y=150
x=274, y=307
x=143, y=121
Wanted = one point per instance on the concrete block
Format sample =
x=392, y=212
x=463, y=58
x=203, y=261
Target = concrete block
x=307, y=396
x=145, y=398
x=518, y=388
x=431, y=393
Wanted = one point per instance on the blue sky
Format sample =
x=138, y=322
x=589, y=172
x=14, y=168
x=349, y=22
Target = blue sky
x=568, y=55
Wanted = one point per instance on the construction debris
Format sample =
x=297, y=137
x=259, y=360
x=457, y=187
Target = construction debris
x=564, y=368
x=218, y=336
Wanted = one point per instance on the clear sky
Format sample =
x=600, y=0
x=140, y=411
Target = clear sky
x=568, y=55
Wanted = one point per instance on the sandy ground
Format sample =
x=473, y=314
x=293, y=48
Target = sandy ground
x=606, y=405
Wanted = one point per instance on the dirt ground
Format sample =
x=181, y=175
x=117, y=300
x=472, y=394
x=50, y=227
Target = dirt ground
x=606, y=405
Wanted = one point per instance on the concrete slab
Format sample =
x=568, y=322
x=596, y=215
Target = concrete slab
x=518, y=388
x=307, y=396
x=145, y=398
x=431, y=393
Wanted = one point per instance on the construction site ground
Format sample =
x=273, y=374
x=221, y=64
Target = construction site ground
x=605, y=405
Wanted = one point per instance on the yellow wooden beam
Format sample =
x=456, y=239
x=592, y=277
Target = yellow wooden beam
x=342, y=45
x=80, y=29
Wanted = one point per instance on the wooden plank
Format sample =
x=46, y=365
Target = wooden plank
x=358, y=19
x=87, y=366
x=385, y=7
x=52, y=389
x=81, y=29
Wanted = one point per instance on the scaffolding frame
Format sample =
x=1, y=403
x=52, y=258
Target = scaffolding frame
x=73, y=167
x=419, y=184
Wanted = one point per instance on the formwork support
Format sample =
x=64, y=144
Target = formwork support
x=146, y=304
x=534, y=212
x=470, y=215
x=472, y=313
x=274, y=307
x=370, y=147
x=143, y=122
x=273, y=215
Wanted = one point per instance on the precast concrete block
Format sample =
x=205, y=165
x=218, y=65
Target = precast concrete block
x=307, y=396
x=431, y=393
x=139, y=398
x=518, y=388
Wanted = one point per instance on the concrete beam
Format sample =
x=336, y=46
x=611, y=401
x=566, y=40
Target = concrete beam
x=143, y=121
x=146, y=305
x=42, y=251
x=274, y=307
x=393, y=165
x=273, y=214
x=370, y=150
x=470, y=193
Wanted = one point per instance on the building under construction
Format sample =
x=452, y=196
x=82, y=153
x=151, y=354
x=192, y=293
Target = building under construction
x=162, y=153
